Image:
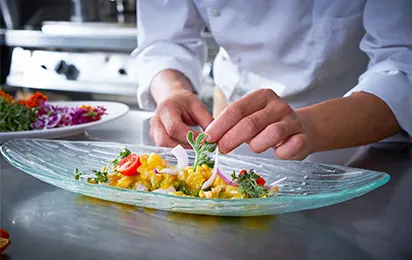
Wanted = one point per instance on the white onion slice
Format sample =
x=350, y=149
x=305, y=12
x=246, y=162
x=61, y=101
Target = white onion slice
x=275, y=183
x=165, y=191
x=212, y=178
x=182, y=161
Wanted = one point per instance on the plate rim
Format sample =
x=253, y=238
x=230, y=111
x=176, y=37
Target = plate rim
x=79, y=127
x=358, y=191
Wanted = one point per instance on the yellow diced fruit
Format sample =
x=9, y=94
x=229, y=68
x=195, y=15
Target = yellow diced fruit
x=126, y=182
x=206, y=171
x=155, y=160
x=182, y=176
x=195, y=180
x=231, y=191
x=155, y=180
x=143, y=158
x=218, y=182
x=168, y=181
x=276, y=189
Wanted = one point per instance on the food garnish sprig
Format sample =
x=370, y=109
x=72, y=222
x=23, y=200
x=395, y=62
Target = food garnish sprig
x=201, y=148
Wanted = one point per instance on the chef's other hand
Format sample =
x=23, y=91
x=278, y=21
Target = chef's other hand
x=173, y=116
x=262, y=120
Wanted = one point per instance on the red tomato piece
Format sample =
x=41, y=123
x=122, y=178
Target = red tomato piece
x=128, y=166
x=260, y=181
x=4, y=234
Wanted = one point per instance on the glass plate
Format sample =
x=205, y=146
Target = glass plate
x=308, y=185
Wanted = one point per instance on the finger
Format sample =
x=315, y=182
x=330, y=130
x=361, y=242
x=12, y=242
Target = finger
x=173, y=124
x=232, y=114
x=159, y=134
x=244, y=131
x=296, y=148
x=274, y=134
x=201, y=115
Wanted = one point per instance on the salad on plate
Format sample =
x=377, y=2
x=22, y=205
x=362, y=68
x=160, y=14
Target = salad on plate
x=203, y=179
x=36, y=113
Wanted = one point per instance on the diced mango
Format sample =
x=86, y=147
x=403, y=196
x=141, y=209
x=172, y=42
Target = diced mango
x=195, y=180
x=155, y=160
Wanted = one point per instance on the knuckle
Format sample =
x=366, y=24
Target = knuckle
x=236, y=110
x=299, y=142
x=172, y=129
x=251, y=123
x=277, y=132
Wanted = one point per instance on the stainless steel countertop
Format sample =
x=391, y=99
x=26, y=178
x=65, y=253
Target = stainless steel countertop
x=49, y=223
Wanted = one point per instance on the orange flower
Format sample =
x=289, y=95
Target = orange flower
x=88, y=108
x=6, y=96
x=34, y=100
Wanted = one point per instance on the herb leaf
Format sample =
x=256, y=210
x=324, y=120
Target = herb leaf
x=201, y=148
x=248, y=185
x=121, y=156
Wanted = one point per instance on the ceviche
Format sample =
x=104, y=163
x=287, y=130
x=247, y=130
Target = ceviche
x=35, y=113
x=204, y=179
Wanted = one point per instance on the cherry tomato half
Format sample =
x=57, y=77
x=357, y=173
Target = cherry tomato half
x=128, y=166
x=259, y=181
x=4, y=234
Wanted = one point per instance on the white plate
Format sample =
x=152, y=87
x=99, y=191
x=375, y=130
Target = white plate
x=113, y=109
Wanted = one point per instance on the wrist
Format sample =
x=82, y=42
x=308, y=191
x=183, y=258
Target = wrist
x=168, y=83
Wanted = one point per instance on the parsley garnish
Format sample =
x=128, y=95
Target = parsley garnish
x=248, y=185
x=201, y=148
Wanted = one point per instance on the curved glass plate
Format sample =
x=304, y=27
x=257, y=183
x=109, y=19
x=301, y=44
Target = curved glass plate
x=308, y=185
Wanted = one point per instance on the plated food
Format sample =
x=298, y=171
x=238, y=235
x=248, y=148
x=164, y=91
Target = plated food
x=307, y=186
x=203, y=179
x=36, y=113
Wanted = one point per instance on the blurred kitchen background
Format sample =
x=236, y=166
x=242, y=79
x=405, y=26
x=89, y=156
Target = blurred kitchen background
x=75, y=49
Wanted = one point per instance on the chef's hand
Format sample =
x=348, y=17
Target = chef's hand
x=264, y=121
x=174, y=115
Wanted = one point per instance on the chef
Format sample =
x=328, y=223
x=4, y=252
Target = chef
x=296, y=76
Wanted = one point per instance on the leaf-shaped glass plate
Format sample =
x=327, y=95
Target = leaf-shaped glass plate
x=308, y=185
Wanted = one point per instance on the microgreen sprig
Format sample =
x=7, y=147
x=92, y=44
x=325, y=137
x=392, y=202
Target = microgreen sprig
x=201, y=148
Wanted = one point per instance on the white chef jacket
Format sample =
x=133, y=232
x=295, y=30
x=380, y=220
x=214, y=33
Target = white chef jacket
x=307, y=51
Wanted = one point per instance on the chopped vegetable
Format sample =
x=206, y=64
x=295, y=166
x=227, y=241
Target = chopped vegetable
x=212, y=178
x=121, y=156
x=128, y=165
x=182, y=161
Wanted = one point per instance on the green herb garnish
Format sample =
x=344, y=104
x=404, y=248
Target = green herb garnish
x=15, y=117
x=101, y=176
x=121, y=156
x=77, y=174
x=201, y=148
x=248, y=185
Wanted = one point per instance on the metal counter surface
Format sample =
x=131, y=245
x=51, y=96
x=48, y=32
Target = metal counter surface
x=49, y=223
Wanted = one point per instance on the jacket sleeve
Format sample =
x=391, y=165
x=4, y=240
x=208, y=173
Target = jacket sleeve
x=388, y=43
x=169, y=37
